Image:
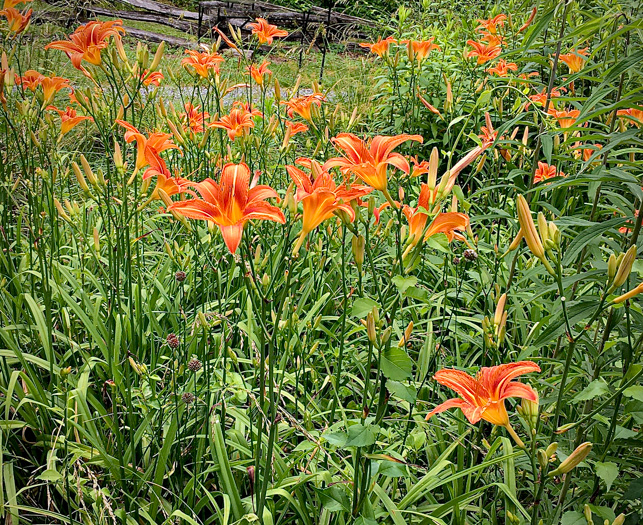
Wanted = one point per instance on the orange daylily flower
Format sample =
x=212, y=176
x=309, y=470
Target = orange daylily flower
x=68, y=118
x=51, y=86
x=492, y=40
x=238, y=123
x=8, y=4
x=202, y=62
x=87, y=41
x=148, y=148
x=230, y=203
x=541, y=98
x=320, y=196
x=258, y=72
x=624, y=229
x=30, y=80
x=545, y=171
x=566, y=118
x=585, y=151
x=370, y=160
x=483, y=396
x=303, y=105
x=379, y=48
x=484, y=52
x=575, y=59
x=296, y=127
x=169, y=184
x=502, y=68
x=193, y=120
x=635, y=116
x=152, y=78
x=448, y=223
x=17, y=21
x=420, y=49
x=266, y=32
x=491, y=25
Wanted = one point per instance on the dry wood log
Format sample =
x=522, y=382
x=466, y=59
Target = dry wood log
x=182, y=25
x=157, y=37
x=163, y=9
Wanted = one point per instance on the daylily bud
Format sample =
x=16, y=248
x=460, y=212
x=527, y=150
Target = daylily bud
x=574, y=459
x=88, y=171
x=407, y=335
x=554, y=234
x=80, y=177
x=481, y=163
x=157, y=57
x=530, y=412
x=624, y=268
x=620, y=519
x=358, y=244
x=551, y=449
x=516, y=242
x=118, y=156
x=542, y=458
x=61, y=210
x=632, y=293
x=543, y=227
x=500, y=308
x=611, y=268
x=96, y=240
x=529, y=228
x=587, y=511
x=432, y=175
x=370, y=328
x=121, y=50
x=386, y=335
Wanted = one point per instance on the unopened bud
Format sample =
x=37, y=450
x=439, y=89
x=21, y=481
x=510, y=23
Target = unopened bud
x=574, y=459
x=358, y=244
x=157, y=57
x=370, y=328
x=624, y=268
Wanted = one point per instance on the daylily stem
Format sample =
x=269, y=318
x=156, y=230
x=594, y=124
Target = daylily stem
x=515, y=436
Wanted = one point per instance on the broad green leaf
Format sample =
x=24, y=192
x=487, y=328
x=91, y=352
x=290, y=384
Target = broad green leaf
x=608, y=472
x=396, y=364
x=361, y=435
x=404, y=392
x=403, y=283
x=573, y=517
x=362, y=306
x=596, y=388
